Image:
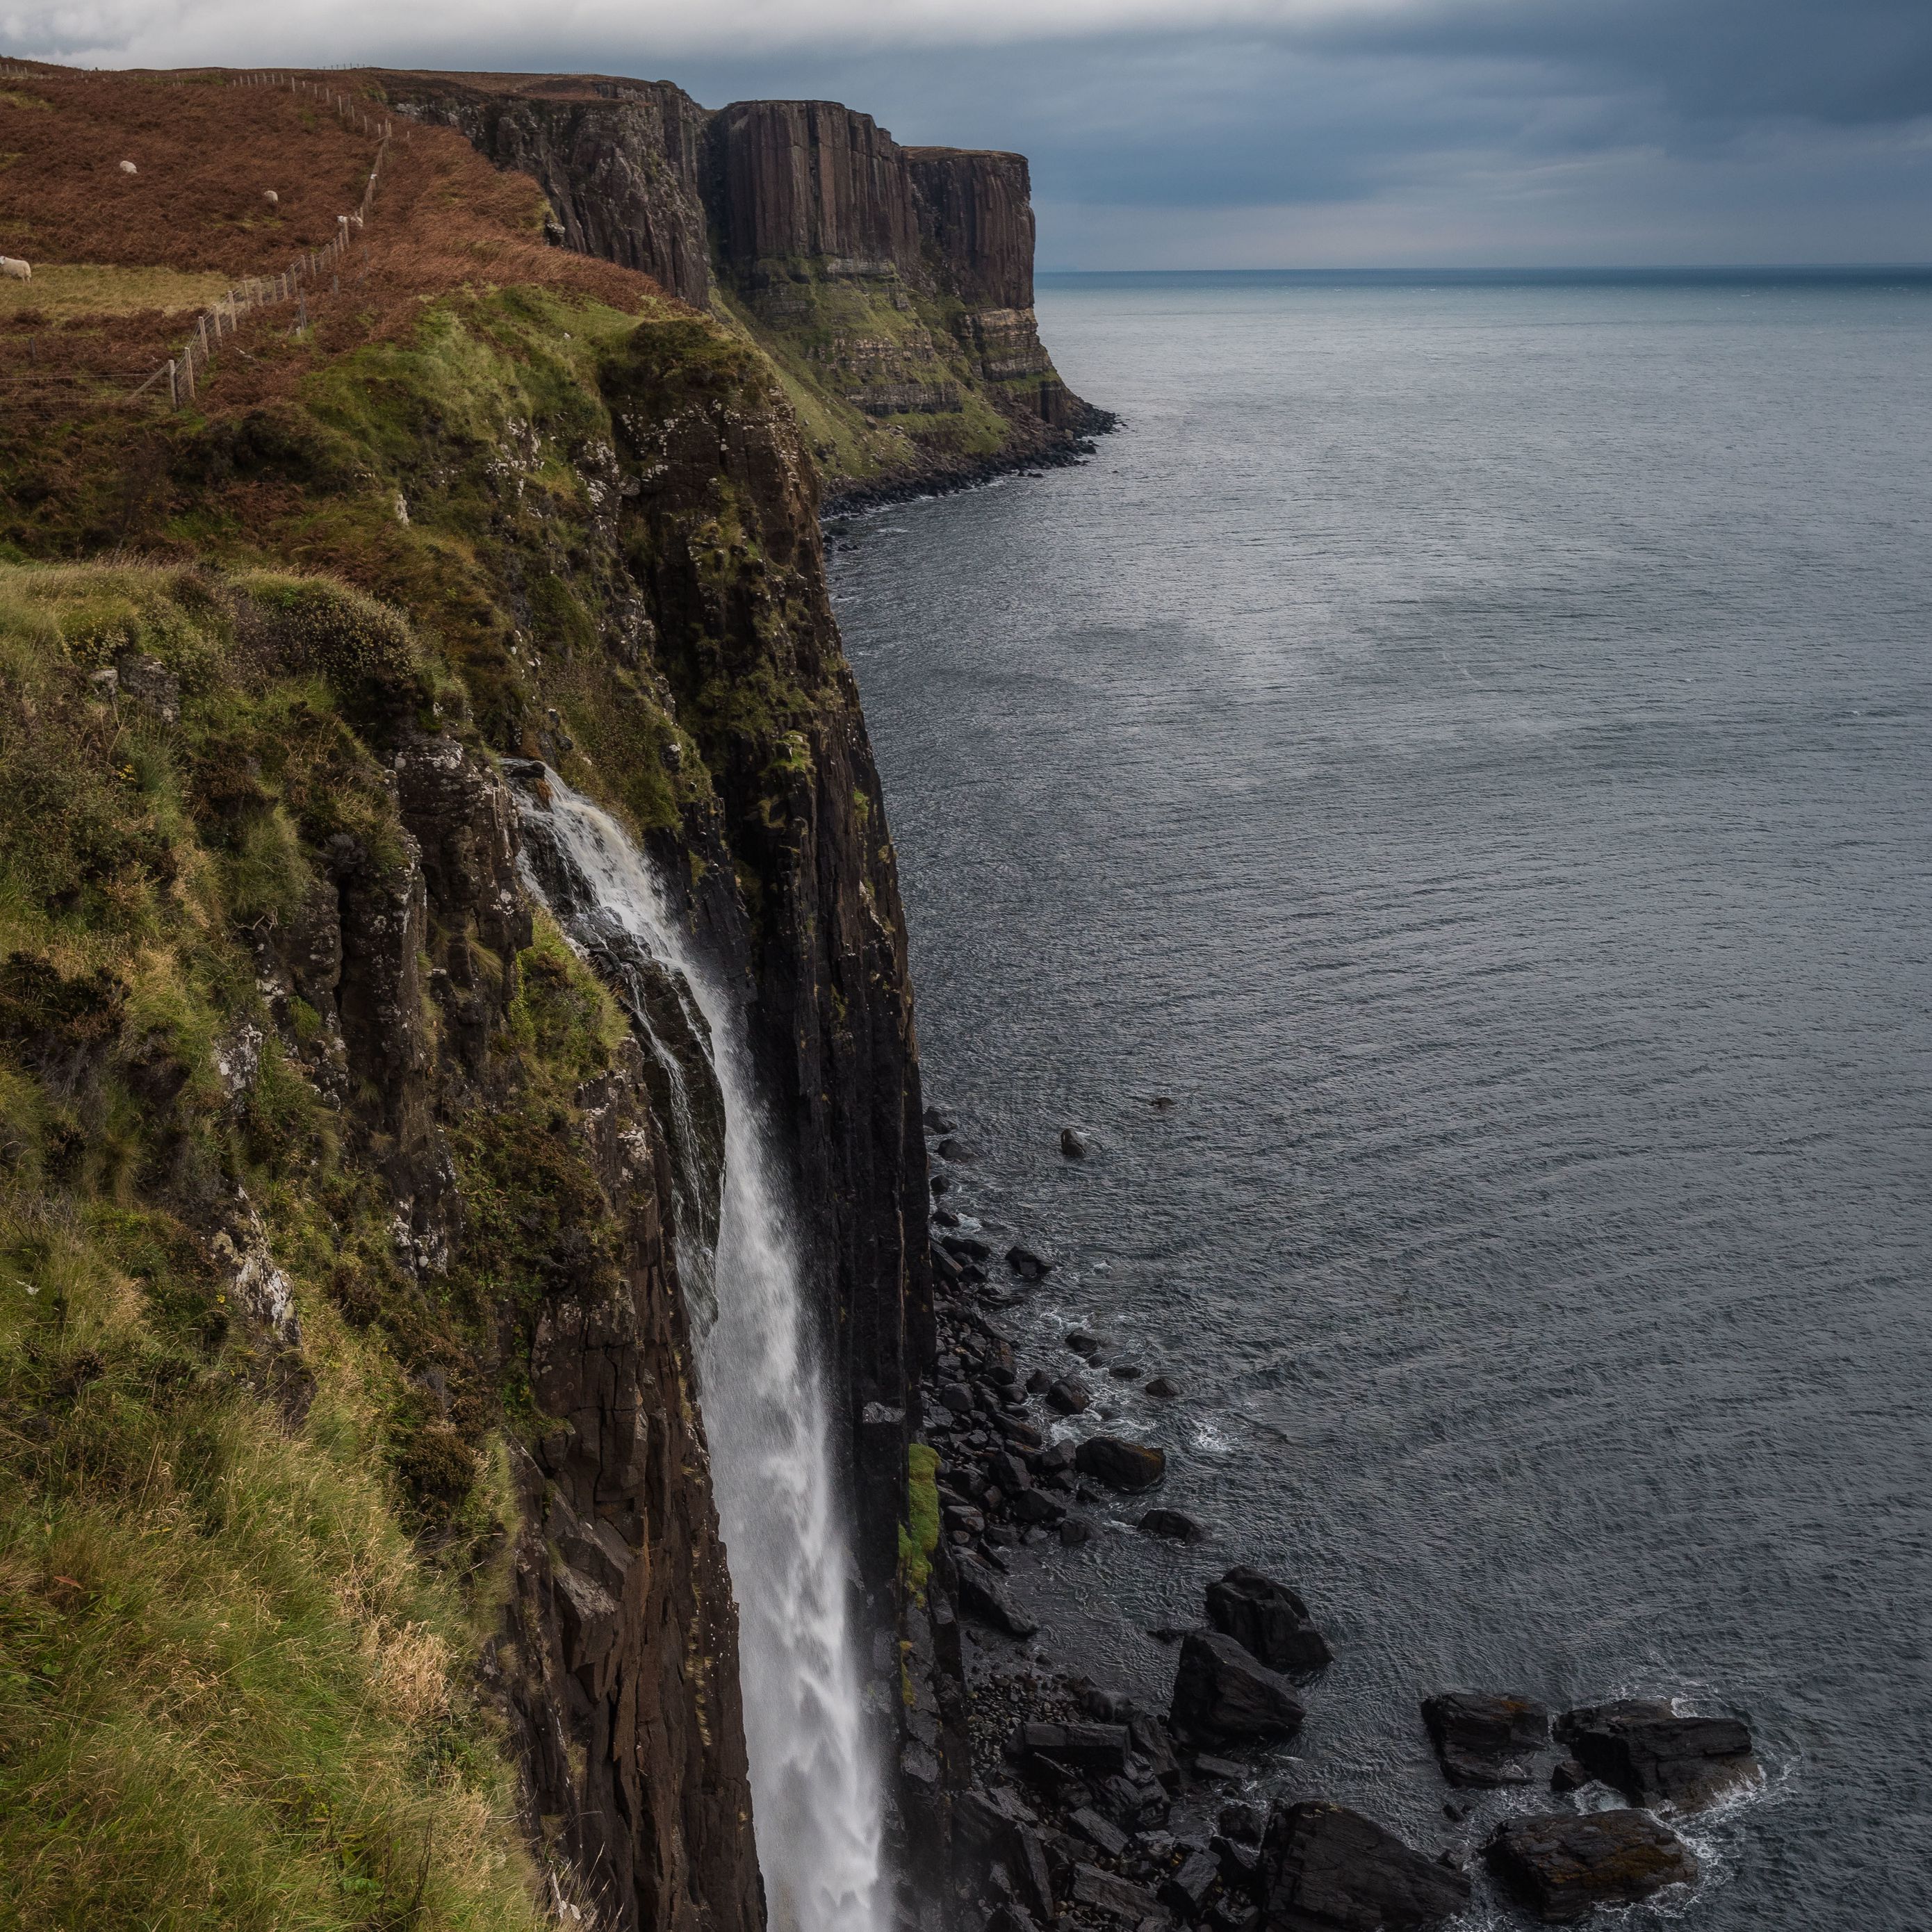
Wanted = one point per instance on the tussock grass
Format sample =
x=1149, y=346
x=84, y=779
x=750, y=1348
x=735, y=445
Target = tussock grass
x=233, y=1691
x=59, y=293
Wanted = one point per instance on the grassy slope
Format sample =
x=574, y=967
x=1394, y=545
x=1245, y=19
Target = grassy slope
x=235, y=1685
x=231, y=1691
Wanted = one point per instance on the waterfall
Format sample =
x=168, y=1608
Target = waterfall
x=814, y=1791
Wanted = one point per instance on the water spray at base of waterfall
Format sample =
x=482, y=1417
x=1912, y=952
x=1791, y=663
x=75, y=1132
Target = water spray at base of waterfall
x=767, y=1411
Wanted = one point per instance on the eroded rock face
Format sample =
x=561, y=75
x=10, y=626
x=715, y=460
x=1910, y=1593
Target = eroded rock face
x=1640, y=1747
x=621, y=1663
x=1563, y=1868
x=1327, y=1869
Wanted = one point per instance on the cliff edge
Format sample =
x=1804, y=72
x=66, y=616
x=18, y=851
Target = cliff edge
x=891, y=287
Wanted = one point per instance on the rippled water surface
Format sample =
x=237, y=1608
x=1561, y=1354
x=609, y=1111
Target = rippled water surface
x=1468, y=744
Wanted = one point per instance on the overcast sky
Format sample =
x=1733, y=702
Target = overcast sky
x=1254, y=133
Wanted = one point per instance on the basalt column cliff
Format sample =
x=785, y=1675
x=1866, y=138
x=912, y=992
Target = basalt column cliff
x=892, y=287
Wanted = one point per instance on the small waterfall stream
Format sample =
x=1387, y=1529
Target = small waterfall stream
x=767, y=1409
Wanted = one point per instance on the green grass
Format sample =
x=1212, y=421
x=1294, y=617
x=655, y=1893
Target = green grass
x=234, y=1686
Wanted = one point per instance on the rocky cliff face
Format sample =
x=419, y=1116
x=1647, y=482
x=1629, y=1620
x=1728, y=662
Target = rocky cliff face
x=892, y=287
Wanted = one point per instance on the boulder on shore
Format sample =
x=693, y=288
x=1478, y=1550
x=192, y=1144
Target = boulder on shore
x=1327, y=1869
x=1642, y=1748
x=1069, y=1395
x=1486, y=1739
x=983, y=1596
x=1071, y=1144
x=1220, y=1690
x=1267, y=1618
x=1027, y=1265
x=1563, y=1868
x=1120, y=1464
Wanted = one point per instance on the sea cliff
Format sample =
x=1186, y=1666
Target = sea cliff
x=891, y=287
x=331, y=1172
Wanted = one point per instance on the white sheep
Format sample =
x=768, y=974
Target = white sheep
x=12, y=269
x=129, y=168
x=269, y=195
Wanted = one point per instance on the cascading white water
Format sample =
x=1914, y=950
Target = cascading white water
x=815, y=1789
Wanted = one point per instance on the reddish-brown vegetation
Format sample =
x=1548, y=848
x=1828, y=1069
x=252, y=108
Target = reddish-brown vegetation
x=442, y=218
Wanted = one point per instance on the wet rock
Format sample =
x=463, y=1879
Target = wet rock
x=1009, y=1472
x=1120, y=1464
x=983, y=1596
x=960, y=1516
x=997, y=1827
x=957, y=1397
x=1072, y=1145
x=1089, y=1747
x=1220, y=1770
x=1327, y=1869
x=953, y=1150
x=1070, y=1396
x=940, y=1183
x=1039, y=1382
x=1101, y=1833
x=1243, y=1823
x=1486, y=1739
x=1027, y=1265
x=965, y=1247
x=1147, y=1733
x=1641, y=1748
x=939, y=1122
x=1175, y=1524
x=1083, y=1341
x=1074, y=1530
x=1240, y=1862
x=1124, y=1372
x=1268, y=1619
x=1161, y=1387
x=1032, y=1506
x=1569, y=1774
x=1221, y=1690
x=1186, y=1892
x=1117, y=1897
x=1562, y=1868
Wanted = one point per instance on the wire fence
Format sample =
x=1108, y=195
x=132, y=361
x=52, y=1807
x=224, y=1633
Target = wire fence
x=179, y=377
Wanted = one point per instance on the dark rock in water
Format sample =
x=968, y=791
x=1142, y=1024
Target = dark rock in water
x=1072, y=1145
x=1562, y=1868
x=1125, y=1372
x=944, y=1217
x=1176, y=1525
x=940, y=1183
x=1486, y=1739
x=965, y=1247
x=1267, y=1618
x=1641, y=1748
x=1569, y=1774
x=1146, y=1733
x=1039, y=1382
x=1070, y=1395
x=1082, y=1341
x=938, y=1122
x=1244, y=1823
x=1074, y=1530
x=1220, y=1690
x=1222, y=1770
x=1325, y=1869
x=950, y=1149
x=1120, y=1464
x=1162, y=1387
x=982, y=1596
x=1027, y=1265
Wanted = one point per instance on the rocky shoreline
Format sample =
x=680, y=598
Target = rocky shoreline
x=1082, y=1805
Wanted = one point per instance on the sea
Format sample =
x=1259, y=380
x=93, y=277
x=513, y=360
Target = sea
x=1441, y=803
